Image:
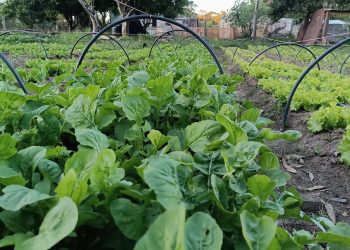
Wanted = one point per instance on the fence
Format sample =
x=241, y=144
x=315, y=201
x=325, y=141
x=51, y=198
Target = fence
x=212, y=33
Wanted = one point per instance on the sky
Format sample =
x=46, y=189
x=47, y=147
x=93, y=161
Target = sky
x=214, y=5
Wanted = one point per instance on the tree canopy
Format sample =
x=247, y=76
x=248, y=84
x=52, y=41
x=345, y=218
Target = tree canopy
x=37, y=11
x=30, y=12
x=241, y=15
x=300, y=9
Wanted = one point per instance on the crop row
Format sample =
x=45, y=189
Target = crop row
x=156, y=155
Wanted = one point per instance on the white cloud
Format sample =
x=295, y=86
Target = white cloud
x=216, y=5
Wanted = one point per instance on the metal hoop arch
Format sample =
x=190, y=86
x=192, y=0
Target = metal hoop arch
x=284, y=44
x=243, y=42
x=343, y=64
x=304, y=74
x=110, y=37
x=189, y=38
x=21, y=31
x=35, y=34
x=160, y=37
x=14, y=72
x=138, y=17
x=82, y=37
x=313, y=45
x=38, y=39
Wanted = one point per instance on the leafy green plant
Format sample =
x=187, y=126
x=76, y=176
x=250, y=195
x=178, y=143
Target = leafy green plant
x=157, y=155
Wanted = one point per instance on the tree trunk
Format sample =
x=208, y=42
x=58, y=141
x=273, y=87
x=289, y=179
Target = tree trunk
x=124, y=11
x=125, y=29
x=304, y=26
x=89, y=9
x=95, y=24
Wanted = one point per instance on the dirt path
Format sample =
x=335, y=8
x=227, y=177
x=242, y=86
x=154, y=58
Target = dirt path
x=319, y=174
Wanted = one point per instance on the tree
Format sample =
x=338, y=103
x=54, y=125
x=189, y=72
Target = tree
x=190, y=10
x=96, y=10
x=30, y=12
x=167, y=8
x=302, y=10
x=124, y=11
x=241, y=15
x=89, y=8
x=72, y=11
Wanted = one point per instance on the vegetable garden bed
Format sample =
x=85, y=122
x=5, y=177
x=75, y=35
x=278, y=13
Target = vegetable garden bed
x=159, y=154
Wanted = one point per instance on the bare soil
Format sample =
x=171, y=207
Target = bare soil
x=320, y=176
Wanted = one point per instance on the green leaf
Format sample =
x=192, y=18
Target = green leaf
x=31, y=109
x=344, y=148
x=202, y=232
x=14, y=239
x=135, y=107
x=258, y=232
x=251, y=115
x=84, y=158
x=105, y=173
x=268, y=160
x=236, y=133
x=49, y=169
x=161, y=90
x=243, y=155
x=129, y=218
x=157, y=138
x=261, y=185
x=281, y=178
x=81, y=113
x=58, y=223
x=72, y=186
x=198, y=134
x=92, y=138
x=166, y=233
x=26, y=160
x=49, y=129
x=289, y=135
x=9, y=176
x=162, y=175
x=11, y=100
x=138, y=79
x=338, y=236
x=15, y=197
x=7, y=146
x=201, y=94
x=286, y=241
x=105, y=115
x=17, y=222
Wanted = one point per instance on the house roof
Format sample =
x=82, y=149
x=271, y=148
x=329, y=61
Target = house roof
x=336, y=21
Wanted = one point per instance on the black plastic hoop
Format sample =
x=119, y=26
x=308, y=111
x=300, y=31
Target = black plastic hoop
x=95, y=33
x=313, y=45
x=243, y=41
x=21, y=31
x=160, y=37
x=189, y=38
x=14, y=72
x=138, y=17
x=304, y=74
x=35, y=34
x=38, y=39
x=343, y=64
x=284, y=44
x=82, y=37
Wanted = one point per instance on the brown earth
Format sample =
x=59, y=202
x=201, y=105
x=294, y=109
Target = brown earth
x=320, y=176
